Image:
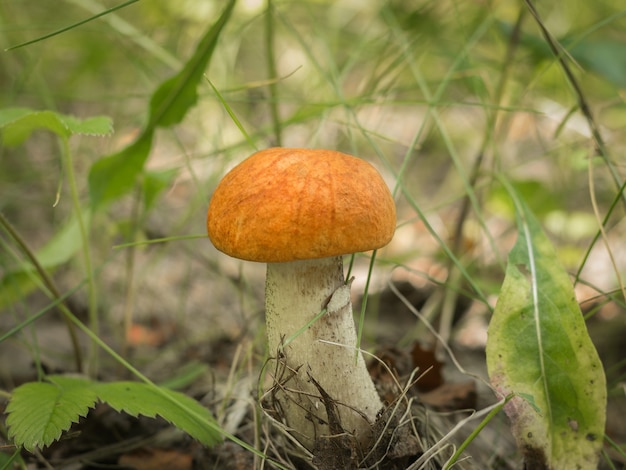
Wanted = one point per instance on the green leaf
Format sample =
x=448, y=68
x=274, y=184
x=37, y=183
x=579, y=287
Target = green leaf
x=153, y=183
x=605, y=57
x=19, y=123
x=115, y=175
x=171, y=101
x=185, y=413
x=39, y=412
x=18, y=281
x=95, y=125
x=538, y=196
x=65, y=242
x=539, y=347
x=9, y=115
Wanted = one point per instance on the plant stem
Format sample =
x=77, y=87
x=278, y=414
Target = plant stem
x=49, y=285
x=91, y=286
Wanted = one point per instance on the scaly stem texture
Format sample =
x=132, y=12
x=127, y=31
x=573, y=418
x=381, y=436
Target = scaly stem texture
x=321, y=388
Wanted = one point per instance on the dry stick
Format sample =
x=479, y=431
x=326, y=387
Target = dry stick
x=451, y=294
x=49, y=284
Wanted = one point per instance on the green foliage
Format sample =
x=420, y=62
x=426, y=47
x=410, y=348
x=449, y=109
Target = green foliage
x=17, y=124
x=19, y=281
x=154, y=182
x=605, y=57
x=539, y=347
x=440, y=95
x=39, y=412
x=115, y=175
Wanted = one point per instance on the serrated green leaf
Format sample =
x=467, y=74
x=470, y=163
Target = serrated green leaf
x=95, y=125
x=19, y=123
x=9, y=115
x=136, y=398
x=539, y=347
x=39, y=412
x=19, y=130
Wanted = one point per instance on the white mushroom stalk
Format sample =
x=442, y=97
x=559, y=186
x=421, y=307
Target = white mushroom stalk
x=296, y=292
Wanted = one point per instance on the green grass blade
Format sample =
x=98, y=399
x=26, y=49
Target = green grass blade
x=232, y=114
x=72, y=26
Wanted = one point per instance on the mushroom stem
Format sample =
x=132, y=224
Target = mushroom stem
x=296, y=292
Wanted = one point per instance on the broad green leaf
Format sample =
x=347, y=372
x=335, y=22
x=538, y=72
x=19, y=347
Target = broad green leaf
x=14, y=287
x=539, y=347
x=605, y=57
x=153, y=183
x=115, y=175
x=17, y=281
x=171, y=101
x=65, y=242
x=39, y=412
x=19, y=123
x=185, y=413
x=538, y=196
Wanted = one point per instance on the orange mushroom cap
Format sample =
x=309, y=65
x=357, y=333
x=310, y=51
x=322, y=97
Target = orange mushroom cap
x=288, y=204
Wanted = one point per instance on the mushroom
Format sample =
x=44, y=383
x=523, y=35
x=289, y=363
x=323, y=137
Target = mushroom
x=300, y=211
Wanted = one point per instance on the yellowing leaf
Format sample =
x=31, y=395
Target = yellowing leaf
x=539, y=347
